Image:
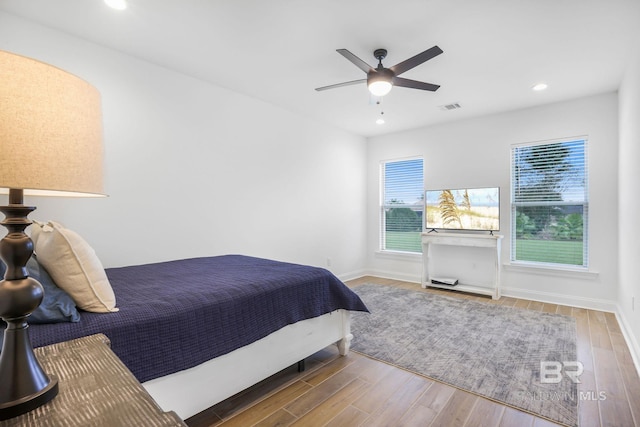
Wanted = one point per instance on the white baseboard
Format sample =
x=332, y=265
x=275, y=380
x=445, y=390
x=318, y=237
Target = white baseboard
x=571, y=300
x=353, y=275
x=632, y=343
x=394, y=275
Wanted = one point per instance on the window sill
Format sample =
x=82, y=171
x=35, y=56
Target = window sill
x=399, y=255
x=550, y=270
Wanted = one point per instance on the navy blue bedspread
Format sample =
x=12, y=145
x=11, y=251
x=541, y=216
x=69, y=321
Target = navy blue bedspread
x=175, y=315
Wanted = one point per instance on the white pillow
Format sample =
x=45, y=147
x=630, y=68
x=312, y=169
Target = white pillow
x=73, y=266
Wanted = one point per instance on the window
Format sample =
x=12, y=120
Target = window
x=550, y=203
x=402, y=204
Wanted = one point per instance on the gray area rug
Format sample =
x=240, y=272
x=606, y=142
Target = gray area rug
x=490, y=350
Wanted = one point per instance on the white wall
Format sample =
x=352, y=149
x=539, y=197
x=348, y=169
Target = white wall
x=629, y=205
x=193, y=169
x=476, y=153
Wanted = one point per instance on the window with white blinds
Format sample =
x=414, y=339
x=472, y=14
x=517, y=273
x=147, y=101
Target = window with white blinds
x=402, y=205
x=550, y=203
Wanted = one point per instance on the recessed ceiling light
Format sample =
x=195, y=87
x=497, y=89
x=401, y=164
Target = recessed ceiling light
x=116, y=4
x=539, y=87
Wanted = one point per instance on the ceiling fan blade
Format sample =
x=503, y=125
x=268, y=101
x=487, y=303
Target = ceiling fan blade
x=416, y=60
x=413, y=84
x=341, y=84
x=357, y=61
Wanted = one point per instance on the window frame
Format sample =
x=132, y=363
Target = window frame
x=382, y=238
x=541, y=203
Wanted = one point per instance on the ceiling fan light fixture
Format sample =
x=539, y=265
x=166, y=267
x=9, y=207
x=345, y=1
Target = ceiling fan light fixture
x=379, y=87
x=380, y=80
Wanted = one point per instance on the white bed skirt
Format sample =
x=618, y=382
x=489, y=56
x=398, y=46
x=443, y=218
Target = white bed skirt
x=193, y=390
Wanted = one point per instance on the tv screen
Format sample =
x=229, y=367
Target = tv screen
x=463, y=209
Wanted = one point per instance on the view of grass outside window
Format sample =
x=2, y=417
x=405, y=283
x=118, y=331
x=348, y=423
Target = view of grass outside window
x=549, y=203
x=402, y=206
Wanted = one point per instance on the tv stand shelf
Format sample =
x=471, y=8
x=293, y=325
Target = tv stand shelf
x=489, y=241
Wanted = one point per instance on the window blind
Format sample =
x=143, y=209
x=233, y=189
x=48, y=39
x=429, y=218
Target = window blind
x=549, y=202
x=402, y=205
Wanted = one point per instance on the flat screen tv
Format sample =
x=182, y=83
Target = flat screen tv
x=463, y=209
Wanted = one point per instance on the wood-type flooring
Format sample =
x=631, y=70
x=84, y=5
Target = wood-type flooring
x=359, y=391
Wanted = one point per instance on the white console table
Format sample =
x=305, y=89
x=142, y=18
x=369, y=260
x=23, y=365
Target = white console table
x=488, y=241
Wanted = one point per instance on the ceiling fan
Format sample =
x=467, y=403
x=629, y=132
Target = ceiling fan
x=380, y=80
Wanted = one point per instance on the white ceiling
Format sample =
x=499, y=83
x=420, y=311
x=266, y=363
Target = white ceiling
x=280, y=50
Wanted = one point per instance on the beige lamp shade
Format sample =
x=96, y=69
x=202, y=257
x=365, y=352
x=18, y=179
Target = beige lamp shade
x=50, y=130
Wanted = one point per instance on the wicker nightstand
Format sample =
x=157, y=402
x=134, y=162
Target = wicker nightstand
x=96, y=389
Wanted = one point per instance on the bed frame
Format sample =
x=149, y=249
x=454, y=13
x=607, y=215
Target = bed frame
x=193, y=390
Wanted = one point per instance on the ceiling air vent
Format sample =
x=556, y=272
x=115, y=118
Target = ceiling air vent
x=448, y=107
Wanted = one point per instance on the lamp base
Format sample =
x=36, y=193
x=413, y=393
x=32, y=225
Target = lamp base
x=24, y=384
x=29, y=403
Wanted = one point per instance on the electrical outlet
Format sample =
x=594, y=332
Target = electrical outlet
x=328, y=262
x=633, y=303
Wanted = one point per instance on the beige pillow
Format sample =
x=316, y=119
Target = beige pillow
x=73, y=266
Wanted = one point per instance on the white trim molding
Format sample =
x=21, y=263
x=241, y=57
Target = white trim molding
x=405, y=256
x=632, y=343
x=352, y=275
x=394, y=275
x=550, y=270
x=553, y=298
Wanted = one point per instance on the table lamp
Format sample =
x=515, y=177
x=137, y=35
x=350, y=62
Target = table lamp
x=50, y=144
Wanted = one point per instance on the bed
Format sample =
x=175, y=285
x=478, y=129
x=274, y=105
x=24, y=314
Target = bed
x=197, y=331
